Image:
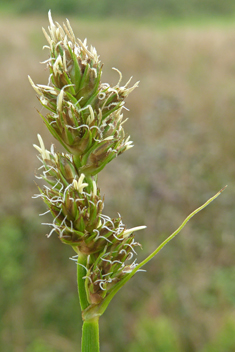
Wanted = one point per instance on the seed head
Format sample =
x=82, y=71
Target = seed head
x=85, y=116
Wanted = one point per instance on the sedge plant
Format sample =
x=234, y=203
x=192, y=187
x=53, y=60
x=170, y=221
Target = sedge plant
x=86, y=117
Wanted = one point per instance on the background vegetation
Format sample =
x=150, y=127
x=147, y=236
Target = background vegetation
x=182, y=122
x=126, y=8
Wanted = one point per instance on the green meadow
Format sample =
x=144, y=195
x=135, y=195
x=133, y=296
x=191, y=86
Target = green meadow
x=182, y=122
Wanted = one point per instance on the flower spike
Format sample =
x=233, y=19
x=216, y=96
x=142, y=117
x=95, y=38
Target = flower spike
x=85, y=115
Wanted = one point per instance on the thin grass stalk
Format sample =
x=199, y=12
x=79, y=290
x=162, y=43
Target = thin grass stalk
x=90, y=336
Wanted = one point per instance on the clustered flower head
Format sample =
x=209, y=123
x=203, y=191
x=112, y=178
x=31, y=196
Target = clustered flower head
x=85, y=116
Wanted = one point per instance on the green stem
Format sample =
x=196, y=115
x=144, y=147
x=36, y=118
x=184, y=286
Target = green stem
x=90, y=336
x=90, y=329
x=81, y=272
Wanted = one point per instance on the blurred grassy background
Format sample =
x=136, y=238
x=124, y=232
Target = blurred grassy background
x=182, y=122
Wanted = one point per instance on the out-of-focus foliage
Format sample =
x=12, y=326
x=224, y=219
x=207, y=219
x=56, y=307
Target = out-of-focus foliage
x=11, y=252
x=182, y=122
x=126, y=8
x=154, y=335
x=225, y=339
x=38, y=345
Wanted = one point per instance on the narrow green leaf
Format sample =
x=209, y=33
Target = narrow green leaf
x=104, y=304
x=81, y=272
x=69, y=82
x=84, y=76
x=53, y=132
x=71, y=97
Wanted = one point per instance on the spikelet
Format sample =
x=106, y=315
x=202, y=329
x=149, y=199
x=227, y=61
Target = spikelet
x=85, y=116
